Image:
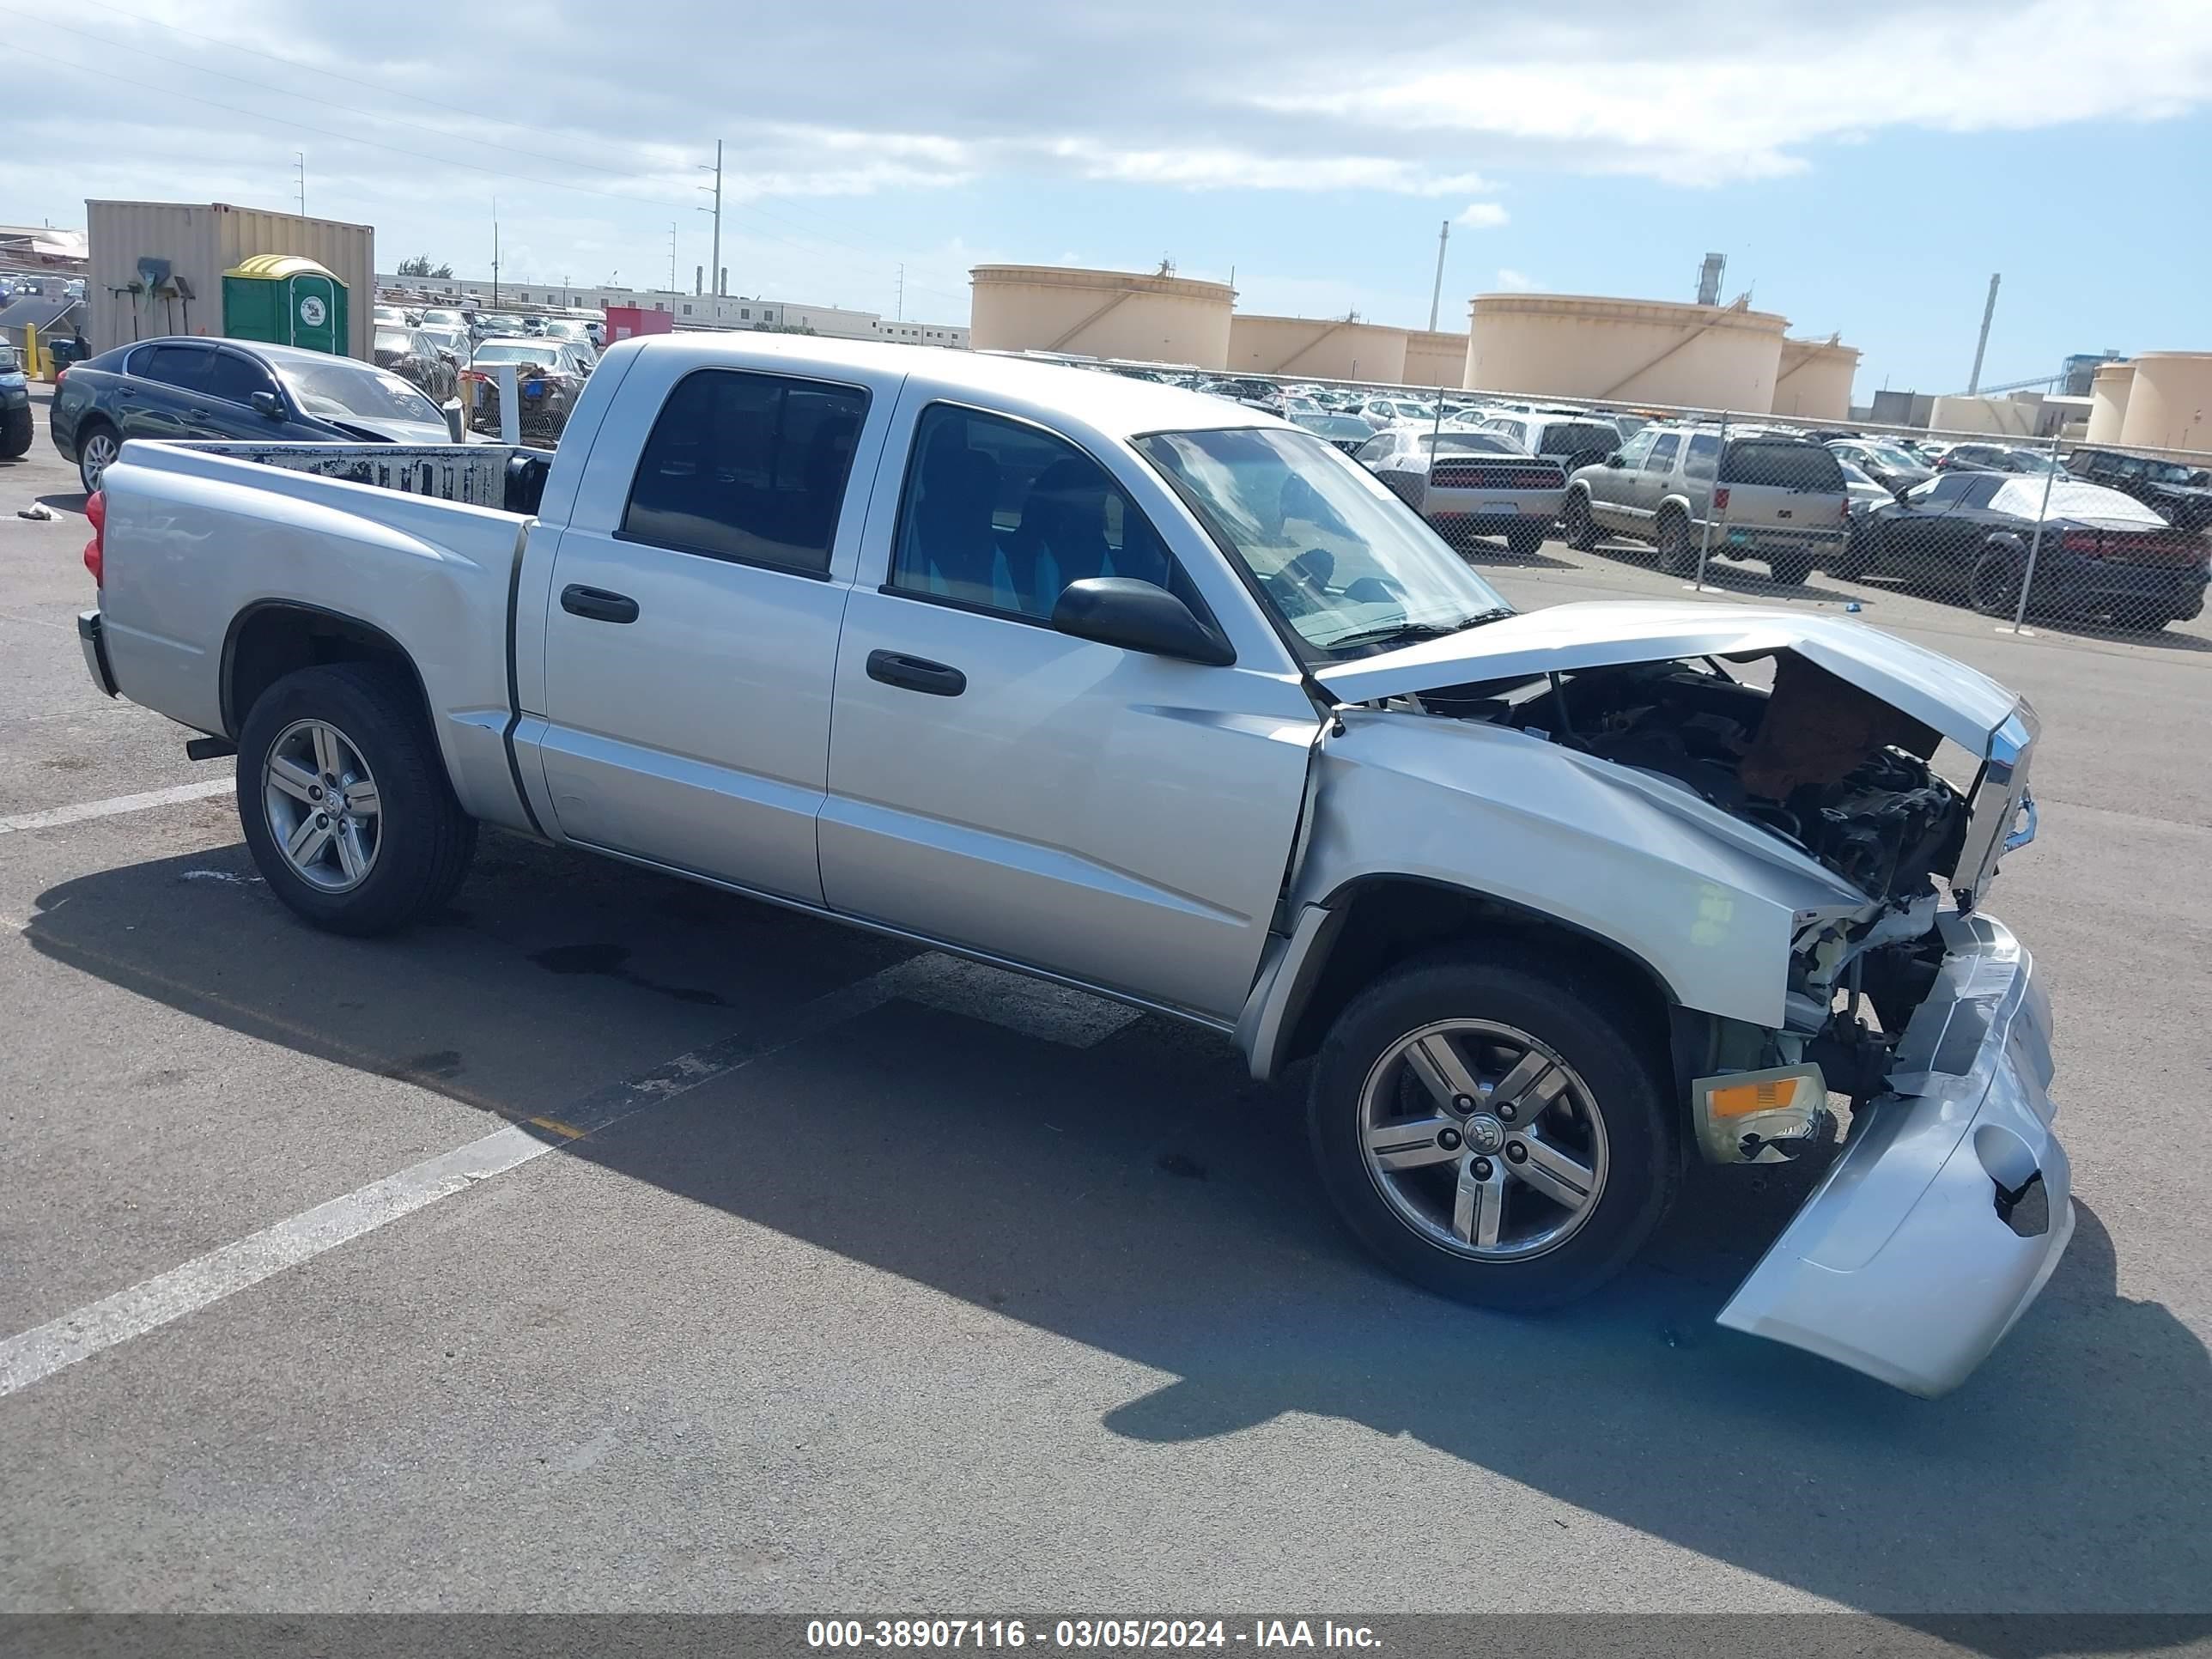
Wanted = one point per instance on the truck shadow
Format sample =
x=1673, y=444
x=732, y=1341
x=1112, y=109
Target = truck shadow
x=1142, y=1196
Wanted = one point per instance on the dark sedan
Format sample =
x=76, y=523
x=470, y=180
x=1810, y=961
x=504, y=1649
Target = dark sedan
x=2179, y=493
x=413, y=356
x=2101, y=554
x=184, y=388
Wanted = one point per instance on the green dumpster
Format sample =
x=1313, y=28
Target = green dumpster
x=287, y=301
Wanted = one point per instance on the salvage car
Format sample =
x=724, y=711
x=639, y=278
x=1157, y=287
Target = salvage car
x=410, y=354
x=1969, y=535
x=1778, y=497
x=550, y=376
x=1470, y=483
x=2181, y=495
x=1141, y=692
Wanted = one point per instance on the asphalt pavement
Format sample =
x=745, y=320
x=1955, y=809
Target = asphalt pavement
x=693, y=1255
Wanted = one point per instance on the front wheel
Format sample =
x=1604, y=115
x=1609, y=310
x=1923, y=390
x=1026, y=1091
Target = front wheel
x=1494, y=1130
x=14, y=435
x=344, y=801
x=1994, y=588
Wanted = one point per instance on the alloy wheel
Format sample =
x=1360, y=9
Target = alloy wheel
x=323, y=812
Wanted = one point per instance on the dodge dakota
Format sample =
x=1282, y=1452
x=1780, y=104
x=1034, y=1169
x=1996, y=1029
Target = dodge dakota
x=1155, y=694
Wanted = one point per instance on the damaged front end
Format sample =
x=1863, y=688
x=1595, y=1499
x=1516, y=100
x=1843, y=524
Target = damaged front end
x=1949, y=1206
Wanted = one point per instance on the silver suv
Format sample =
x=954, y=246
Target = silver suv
x=1777, y=496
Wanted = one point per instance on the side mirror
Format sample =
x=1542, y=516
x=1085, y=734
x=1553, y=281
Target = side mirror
x=1615, y=461
x=1138, y=616
x=268, y=405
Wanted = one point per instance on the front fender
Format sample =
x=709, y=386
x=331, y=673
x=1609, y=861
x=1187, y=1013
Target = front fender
x=1710, y=904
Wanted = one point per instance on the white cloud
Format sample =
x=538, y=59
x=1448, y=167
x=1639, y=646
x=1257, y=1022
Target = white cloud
x=1510, y=280
x=1227, y=169
x=1482, y=216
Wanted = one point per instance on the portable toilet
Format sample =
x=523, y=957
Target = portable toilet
x=284, y=299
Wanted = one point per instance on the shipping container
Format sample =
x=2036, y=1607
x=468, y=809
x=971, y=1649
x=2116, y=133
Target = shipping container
x=200, y=242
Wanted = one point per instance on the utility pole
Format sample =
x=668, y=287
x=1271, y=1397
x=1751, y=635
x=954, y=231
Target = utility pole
x=715, y=264
x=1437, y=293
x=299, y=163
x=494, y=253
x=898, y=314
x=672, y=258
x=1989, y=310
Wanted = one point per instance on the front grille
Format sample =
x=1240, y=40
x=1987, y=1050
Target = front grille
x=1494, y=475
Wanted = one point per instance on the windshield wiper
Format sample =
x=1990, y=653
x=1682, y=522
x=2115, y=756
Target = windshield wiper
x=1414, y=633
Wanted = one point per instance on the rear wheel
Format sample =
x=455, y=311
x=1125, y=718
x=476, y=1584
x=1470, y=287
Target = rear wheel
x=1523, y=541
x=1790, y=569
x=1494, y=1129
x=1676, y=557
x=1856, y=559
x=1576, y=523
x=97, y=446
x=344, y=801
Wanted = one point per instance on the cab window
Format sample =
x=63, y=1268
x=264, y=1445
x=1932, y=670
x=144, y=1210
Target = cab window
x=747, y=467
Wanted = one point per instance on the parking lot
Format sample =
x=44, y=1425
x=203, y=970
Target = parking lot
x=615, y=1243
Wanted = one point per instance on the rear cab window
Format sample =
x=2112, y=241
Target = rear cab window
x=747, y=467
x=1781, y=464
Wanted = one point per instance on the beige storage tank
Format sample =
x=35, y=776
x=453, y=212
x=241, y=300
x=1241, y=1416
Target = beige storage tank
x=1326, y=349
x=1435, y=358
x=2108, y=401
x=1814, y=381
x=201, y=240
x=1641, y=351
x=1101, y=314
x=2169, y=401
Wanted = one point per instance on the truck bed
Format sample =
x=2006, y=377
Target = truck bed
x=211, y=536
x=508, y=476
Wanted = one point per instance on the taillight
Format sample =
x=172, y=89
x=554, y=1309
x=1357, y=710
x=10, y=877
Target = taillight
x=95, y=551
x=2084, y=541
x=1720, y=499
x=60, y=374
x=1844, y=508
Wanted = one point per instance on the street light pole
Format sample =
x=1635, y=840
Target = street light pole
x=1437, y=293
x=714, y=269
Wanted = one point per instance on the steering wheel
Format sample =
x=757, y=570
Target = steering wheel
x=1301, y=585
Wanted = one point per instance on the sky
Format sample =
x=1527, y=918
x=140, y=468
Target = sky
x=1865, y=167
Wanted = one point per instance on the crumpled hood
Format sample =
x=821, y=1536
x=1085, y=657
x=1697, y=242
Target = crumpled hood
x=1962, y=704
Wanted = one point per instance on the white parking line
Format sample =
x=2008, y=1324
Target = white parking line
x=1070, y=1018
x=108, y=808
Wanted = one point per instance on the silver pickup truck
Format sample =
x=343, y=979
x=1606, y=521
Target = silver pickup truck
x=1152, y=694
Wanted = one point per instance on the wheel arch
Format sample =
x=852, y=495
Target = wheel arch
x=271, y=638
x=1372, y=922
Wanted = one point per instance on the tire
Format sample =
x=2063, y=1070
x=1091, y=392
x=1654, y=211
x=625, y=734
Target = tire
x=1629, y=1141
x=1525, y=541
x=97, y=443
x=415, y=842
x=1676, y=557
x=1993, y=589
x=14, y=435
x=1790, y=569
x=1576, y=523
x=1854, y=562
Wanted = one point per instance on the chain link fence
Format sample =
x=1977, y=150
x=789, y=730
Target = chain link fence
x=2044, y=532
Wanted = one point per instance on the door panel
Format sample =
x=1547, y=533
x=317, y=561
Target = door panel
x=162, y=386
x=1121, y=818
x=687, y=690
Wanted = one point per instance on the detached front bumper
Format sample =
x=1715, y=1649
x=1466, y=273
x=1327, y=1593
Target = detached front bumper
x=1950, y=1207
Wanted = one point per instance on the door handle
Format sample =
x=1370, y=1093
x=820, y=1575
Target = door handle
x=917, y=674
x=598, y=604
x=196, y=414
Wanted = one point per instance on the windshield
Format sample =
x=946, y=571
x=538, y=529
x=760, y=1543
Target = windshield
x=1886, y=455
x=338, y=386
x=1348, y=565
x=1471, y=443
x=513, y=351
x=391, y=339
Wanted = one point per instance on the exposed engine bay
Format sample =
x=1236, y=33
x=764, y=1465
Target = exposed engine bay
x=1820, y=763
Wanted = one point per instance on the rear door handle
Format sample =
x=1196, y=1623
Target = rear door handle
x=598, y=604
x=917, y=674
